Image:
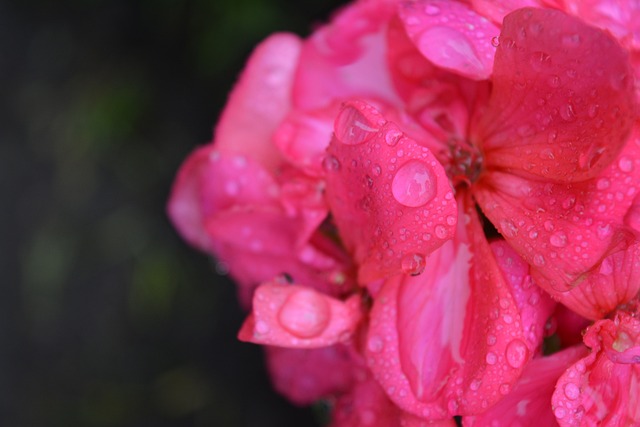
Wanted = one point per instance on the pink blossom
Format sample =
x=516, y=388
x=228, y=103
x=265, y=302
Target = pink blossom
x=430, y=175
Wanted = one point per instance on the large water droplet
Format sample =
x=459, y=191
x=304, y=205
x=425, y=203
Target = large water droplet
x=392, y=137
x=413, y=264
x=304, y=314
x=352, y=127
x=558, y=239
x=625, y=164
x=414, y=184
x=491, y=358
x=516, y=353
x=572, y=391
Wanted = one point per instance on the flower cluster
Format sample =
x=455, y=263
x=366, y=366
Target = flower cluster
x=432, y=210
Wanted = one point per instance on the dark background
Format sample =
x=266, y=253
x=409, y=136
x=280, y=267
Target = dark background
x=106, y=317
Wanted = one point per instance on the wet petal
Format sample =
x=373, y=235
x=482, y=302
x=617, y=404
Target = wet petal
x=496, y=10
x=451, y=342
x=390, y=198
x=529, y=403
x=555, y=97
x=604, y=387
x=299, y=317
x=259, y=101
x=451, y=36
x=563, y=230
x=306, y=375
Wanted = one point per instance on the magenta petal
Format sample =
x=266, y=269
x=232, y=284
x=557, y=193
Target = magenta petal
x=306, y=375
x=555, y=96
x=389, y=196
x=529, y=403
x=299, y=317
x=603, y=389
x=260, y=100
x=451, y=36
x=452, y=341
x=564, y=230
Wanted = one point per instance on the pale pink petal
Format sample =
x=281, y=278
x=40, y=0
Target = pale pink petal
x=390, y=198
x=603, y=389
x=346, y=59
x=563, y=230
x=453, y=341
x=259, y=101
x=209, y=182
x=299, y=317
x=496, y=10
x=555, y=97
x=306, y=375
x=451, y=35
x=622, y=18
x=529, y=403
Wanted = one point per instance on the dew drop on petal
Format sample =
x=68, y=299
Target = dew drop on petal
x=414, y=184
x=441, y=231
x=261, y=327
x=560, y=413
x=516, y=353
x=413, y=264
x=538, y=260
x=491, y=358
x=392, y=137
x=304, y=314
x=375, y=344
x=572, y=391
x=331, y=164
x=558, y=239
x=353, y=128
x=625, y=164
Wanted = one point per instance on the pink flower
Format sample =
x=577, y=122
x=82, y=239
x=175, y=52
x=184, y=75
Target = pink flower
x=405, y=188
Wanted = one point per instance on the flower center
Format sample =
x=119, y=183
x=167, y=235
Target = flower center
x=464, y=164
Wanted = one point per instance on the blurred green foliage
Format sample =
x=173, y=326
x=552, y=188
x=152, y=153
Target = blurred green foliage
x=107, y=318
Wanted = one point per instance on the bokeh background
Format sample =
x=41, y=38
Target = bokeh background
x=106, y=317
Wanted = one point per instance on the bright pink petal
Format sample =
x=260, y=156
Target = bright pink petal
x=529, y=403
x=210, y=182
x=260, y=100
x=564, y=230
x=622, y=18
x=556, y=98
x=453, y=341
x=603, y=389
x=496, y=10
x=306, y=375
x=614, y=283
x=346, y=59
x=299, y=317
x=390, y=198
x=451, y=36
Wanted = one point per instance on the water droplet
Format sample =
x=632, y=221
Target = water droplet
x=603, y=184
x=554, y=81
x=558, y=239
x=567, y=113
x=305, y=314
x=604, y=230
x=432, y=10
x=331, y=163
x=352, y=127
x=491, y=358
x=392, y=137
x=413, y=264
x=441, y=231
x=571, y=40
x=569, y=202
x=516, y=353
x=504, y=389
x=495, y=41
x=261, y=327
x=451, y=220
x=560, y=412
x=376, y=170
x=508, y=228
x=375, y=344
x=538, y=260
x=475, y=385
x=572, y=391
x=414, y=184
x=491, y=339
x=533, y=234
x=625, y=164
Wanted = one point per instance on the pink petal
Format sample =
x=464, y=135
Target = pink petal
x=563, y=230
x=260, y=100
x=299, y=317
x=451, y=35
x=622, y=18
x=529, y=403
x=346, y=59
x=306, y=375
x=614, y=283
x=603, y=389
x=390, y=198
x=209, y=182
x=554, y=97
x=453, y=341
x=496, y=10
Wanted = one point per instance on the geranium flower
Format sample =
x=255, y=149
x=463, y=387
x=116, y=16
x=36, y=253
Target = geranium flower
x=363, y=180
